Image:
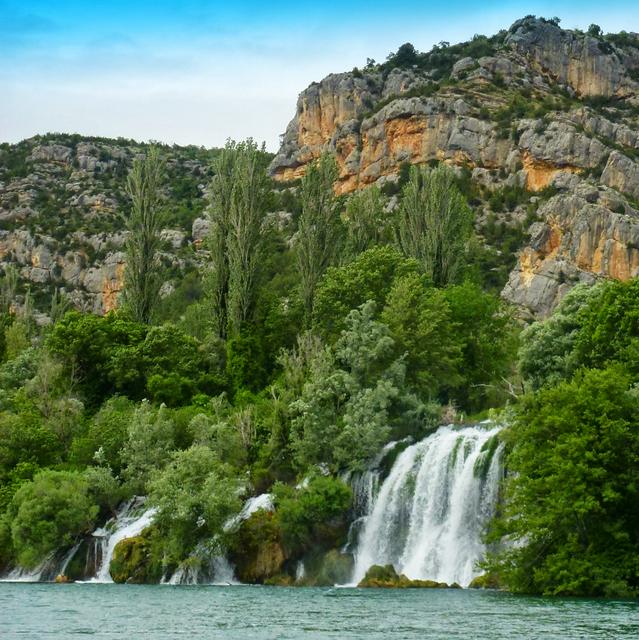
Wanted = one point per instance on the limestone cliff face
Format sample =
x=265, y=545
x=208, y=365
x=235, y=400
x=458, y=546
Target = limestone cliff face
x=548, y=108
x=343, y=113
x=587, y=64
x=584, y=233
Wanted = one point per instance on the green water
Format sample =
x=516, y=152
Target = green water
x=259, y=613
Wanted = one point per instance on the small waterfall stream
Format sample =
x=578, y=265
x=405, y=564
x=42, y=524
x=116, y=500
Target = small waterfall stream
x=129, y=522
x=429, y=514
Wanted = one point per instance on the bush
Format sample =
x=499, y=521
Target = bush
x=307, y=515
x=49, y=513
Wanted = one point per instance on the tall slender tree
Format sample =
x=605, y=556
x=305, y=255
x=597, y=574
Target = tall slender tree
x=238, y=205
x=434, y=223
x=367, y=221
x=142, y=274
x=319, y=230
x=8, y=288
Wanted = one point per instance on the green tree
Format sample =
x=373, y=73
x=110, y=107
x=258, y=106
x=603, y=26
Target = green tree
x=367, y=221
x=421, y=324
x=24, y=438
x=488, y=337
x=151, y=438
x=105, y=435
x=547, y=351
x=434, y=223
x=319, y=227
x=239, y=193
x=370, y=276
x=303, y=513
x=572, y=490
x=195, y=495
x=610, y=327
x=49, y=513
x=142, y=279
x=101, y=353
x=354, y=399
x=8, y=289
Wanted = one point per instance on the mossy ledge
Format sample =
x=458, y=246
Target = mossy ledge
x=386, y=577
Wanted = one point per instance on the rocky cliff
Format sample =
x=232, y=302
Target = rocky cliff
x=541, y=123
x=551, y=111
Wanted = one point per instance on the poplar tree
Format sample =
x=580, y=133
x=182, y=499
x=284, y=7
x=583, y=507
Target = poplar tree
x=319, y=230
x=238, y=205
x=434, y=223
x=367, y=222
x=142, y=273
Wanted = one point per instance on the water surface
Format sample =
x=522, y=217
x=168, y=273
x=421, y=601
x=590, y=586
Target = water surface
x=261, y=613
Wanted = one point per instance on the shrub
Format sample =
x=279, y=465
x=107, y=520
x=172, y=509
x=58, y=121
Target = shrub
x=48, y=513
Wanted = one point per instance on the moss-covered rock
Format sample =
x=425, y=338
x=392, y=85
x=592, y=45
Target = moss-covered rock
x=485, y=581
x=133, y=561
x=256, y=549
x=281, y=580
x=386, y=577
x=325, y=569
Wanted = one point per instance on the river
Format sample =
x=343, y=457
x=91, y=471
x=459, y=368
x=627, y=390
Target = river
x=158, y=612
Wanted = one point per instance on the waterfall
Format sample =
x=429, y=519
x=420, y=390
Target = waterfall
x=18, y=574
x=129, y=522
x=264, y=501
x=214, y=571
x=428, y=516
x=67, y=559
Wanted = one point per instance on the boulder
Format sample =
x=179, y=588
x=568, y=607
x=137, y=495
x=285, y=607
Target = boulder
x=386, y=577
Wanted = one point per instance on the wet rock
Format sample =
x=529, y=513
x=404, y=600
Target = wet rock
x=386, y=577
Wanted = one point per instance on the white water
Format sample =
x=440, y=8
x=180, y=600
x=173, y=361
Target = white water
x=128, y=523
x=219, y=572
x=25, y=575
x=263, y=501
x=429, y=514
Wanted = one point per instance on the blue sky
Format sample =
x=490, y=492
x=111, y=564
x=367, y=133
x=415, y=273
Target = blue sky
x=197, y=72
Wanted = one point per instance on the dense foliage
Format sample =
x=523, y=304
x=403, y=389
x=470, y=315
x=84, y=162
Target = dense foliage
x=306, y=343
x=570, y=499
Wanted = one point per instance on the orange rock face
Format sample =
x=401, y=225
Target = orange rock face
x=111, y=289
x=539, y=174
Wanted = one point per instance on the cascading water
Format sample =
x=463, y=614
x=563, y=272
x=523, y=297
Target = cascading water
x=264, y=502
x=129, y=522
x=429, y=514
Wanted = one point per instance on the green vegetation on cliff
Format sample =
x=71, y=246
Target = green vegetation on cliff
x=301, y=346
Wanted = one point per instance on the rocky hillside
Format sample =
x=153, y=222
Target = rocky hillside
x=544, y=120
x=62, y=201
x=542, y=124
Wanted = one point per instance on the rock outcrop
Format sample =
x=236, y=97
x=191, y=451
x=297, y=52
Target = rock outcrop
x=587, y=64
x=373, y=122
x=584, y=233
x=536, y=106
x=387, y=578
